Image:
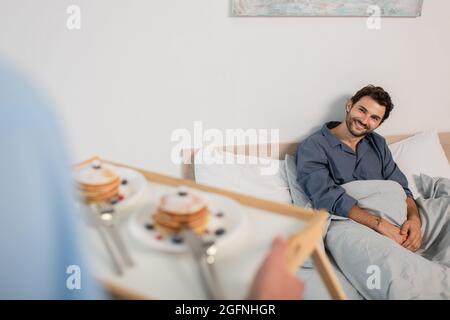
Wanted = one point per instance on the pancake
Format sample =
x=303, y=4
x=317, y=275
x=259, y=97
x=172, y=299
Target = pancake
x=173, y=221
x=182, y=209
x=97, y=182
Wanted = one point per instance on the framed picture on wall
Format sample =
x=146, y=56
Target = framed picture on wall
x=326, y=8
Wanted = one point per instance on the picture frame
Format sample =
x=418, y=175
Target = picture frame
x=326, y=8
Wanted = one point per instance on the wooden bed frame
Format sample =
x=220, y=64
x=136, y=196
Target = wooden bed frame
x=188, y=171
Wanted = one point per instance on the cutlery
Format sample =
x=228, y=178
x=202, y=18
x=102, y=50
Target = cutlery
x=103, y=221
x=107, y=217
x=98, y=225
x=204, y=252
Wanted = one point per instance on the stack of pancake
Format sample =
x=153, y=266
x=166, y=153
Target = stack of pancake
x=182, y=209
x=97, y=182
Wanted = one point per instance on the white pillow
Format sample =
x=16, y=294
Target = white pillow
x=421, y=153
x=259, y=177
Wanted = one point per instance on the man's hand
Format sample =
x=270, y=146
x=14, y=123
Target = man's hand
x=412, y=226
x=412, y=229
x=391, y=231
x=273, y=280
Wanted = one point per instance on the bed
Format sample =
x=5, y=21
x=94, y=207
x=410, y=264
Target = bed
x=410, y=152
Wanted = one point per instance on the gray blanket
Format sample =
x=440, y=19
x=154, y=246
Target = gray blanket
x=378, y=267
x=434, y=208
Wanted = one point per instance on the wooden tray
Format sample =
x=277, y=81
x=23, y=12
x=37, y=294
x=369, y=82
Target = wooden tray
x=304, y=243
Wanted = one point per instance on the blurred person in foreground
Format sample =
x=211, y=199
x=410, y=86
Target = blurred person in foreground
x=39, y=226
x=38, y=222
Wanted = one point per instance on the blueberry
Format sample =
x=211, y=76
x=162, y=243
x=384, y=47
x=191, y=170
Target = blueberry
x=219, y=214
x=149, y=226
x=219, y=231
x=114, y=201
x=124, y=181
x=177, y=239
x=96, y=165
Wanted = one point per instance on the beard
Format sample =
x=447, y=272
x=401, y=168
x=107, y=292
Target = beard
x=356, y=127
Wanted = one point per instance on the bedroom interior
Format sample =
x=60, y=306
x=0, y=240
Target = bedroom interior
x=158, y=145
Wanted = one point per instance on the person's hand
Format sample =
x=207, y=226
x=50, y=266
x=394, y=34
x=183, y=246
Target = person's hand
x=391, y=231
x=411, y=228
x=273, y=281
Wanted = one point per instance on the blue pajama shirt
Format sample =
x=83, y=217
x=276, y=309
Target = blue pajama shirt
x=324, y=163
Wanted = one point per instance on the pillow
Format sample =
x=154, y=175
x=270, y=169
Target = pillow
x=258, y=177
x=421, y=153
x=299, y=197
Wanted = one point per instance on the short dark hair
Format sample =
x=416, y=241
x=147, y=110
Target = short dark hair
x=379, y=95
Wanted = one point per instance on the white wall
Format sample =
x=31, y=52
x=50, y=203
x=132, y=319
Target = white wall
x=138, y=69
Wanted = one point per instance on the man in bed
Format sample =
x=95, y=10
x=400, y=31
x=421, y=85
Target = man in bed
x=341, y=152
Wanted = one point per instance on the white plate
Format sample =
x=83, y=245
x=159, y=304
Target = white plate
x=131, y=190
x=226, y=214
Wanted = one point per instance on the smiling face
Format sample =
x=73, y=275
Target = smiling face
x=364, y=116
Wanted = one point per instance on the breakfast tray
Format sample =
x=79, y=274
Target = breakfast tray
x=302, y=244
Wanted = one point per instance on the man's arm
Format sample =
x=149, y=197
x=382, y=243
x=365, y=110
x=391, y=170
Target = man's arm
x=313, y=175
x=378, y=224
x=412, y=226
